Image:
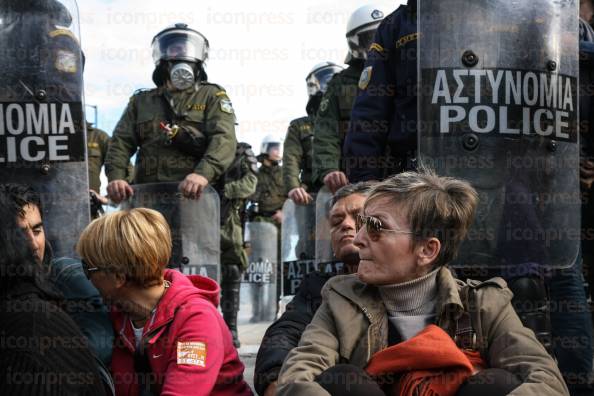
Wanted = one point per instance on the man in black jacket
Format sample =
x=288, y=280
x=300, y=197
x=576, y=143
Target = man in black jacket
x=283, y=335
x=42, y=350
x=83, y=302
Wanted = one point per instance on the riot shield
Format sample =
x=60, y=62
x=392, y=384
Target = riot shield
x=42, y=129
x=195, y=225
x=497, y=106
x=323, y=244
x=298, y=246
x=325, y=260
x=259, y=281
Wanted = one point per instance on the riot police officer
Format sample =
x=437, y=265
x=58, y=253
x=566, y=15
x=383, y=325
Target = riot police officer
x=334, y=114
x=49, y=46
x=270, y=193
x=298, y=148
x=97, y=144
x=236, y=185
x=382, y=135
x=184, y=128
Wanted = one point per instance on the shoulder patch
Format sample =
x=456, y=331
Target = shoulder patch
x=226, y=106
x=365, y=77
x=323, y=105
x=66, y=61
x=221, y=93
x=191, y=353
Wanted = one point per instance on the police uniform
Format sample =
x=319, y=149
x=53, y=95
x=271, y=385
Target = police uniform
x=97, y=145
x=205, y=141
x=384, y=114
x=269, y=194
x=332, y=121
x=41, y=45
x=237, y=184
x=297, y=155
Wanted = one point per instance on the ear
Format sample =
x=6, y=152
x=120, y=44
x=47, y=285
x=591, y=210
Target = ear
x=427, y=252
x=119, y=280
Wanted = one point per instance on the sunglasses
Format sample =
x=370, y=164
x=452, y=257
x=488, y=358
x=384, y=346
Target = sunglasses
x=374, y=226
x=88, y=270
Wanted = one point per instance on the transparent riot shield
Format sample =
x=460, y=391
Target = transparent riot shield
x=324, y=259
x=195, y=225
x=259, y=281
x=498, y=106
x=297, y=245
x=323, y=245
x=42, y=129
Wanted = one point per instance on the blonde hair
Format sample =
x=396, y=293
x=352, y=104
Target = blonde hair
x=134, y=243
x=440, y=207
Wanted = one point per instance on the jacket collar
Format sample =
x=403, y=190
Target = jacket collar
x=367, y=298
x=178, y=294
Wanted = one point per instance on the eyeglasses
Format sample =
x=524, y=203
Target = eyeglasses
x=374, y=226
x=87, y=270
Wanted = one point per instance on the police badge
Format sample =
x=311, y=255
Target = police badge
x=226, y=106
x=365, y=77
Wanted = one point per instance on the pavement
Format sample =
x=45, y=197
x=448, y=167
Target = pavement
x=250, y=336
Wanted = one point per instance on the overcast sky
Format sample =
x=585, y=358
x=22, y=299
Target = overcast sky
x=260, y=51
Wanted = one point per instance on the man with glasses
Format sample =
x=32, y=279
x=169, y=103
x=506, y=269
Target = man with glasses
x=284, y=334
x=83, y=302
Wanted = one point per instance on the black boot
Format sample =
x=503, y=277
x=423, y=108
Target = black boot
x=230, y=299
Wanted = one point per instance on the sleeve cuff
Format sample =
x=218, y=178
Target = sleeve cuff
x=116, y=175
x=206, y=170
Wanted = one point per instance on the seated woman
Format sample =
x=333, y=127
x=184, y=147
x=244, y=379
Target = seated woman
x=403, y=325
x=170, y=338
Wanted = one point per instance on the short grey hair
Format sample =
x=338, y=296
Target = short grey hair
x=363, y=188
x=436, y=206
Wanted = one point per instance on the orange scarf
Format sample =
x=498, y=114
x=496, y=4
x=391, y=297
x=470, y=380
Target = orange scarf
x=431, y=364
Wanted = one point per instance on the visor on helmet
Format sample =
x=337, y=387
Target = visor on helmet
x=360, y=42
x=179, y=44
x=318, y=80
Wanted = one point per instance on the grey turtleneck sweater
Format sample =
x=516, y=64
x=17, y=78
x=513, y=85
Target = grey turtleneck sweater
x=411, y=305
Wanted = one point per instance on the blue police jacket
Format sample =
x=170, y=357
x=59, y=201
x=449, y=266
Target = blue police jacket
x=384, y=114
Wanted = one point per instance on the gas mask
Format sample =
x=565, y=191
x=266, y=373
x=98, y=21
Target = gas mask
x=182, y=75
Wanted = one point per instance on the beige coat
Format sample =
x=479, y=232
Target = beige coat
x=352, y=324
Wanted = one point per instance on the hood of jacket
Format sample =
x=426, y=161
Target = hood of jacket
x=176, y=296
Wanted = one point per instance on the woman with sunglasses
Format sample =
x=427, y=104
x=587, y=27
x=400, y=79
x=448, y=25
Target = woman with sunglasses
x=403, y=325
x=170, y=338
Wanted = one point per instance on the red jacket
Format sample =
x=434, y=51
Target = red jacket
x=188, y=345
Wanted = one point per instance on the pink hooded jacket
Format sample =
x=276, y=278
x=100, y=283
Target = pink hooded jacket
x=187, y=344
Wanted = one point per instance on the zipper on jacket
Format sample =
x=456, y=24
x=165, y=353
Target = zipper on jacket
x=364, y=309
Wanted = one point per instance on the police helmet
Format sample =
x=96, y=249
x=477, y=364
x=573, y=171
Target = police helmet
x=319, y=76
x=180, y=43
x=361, y=28
x=269, y=143
x=54, y=10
